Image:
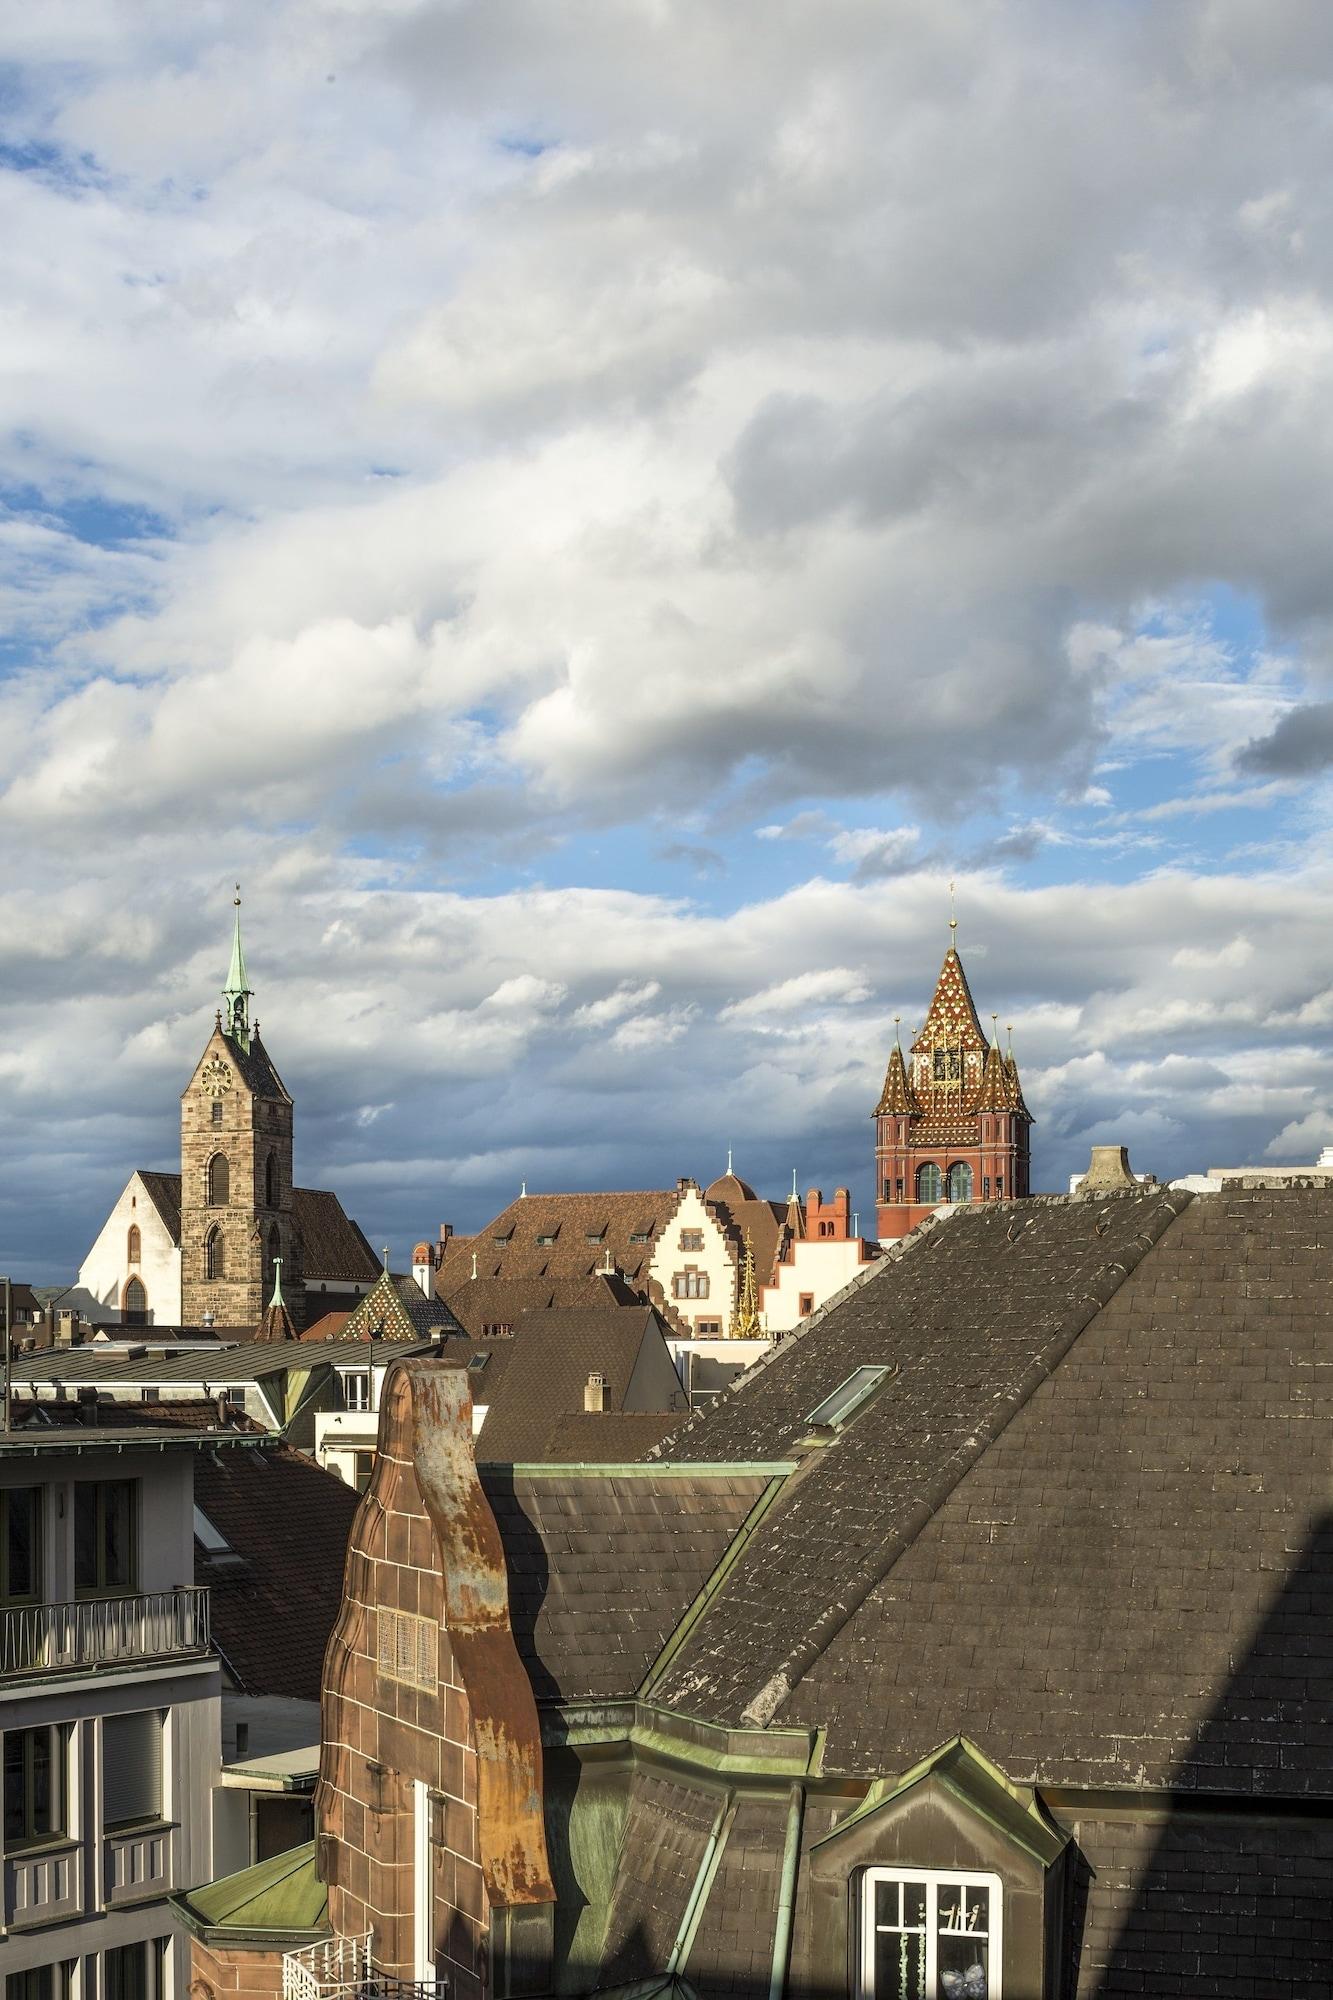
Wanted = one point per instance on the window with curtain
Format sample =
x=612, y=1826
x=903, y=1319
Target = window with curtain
x=929, y=1934
x=929, y=1184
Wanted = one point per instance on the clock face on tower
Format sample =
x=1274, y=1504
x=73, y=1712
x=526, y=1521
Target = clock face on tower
x=216, y=1076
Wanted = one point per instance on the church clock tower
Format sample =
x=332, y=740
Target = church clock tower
x=951, y=1124
x=236, y=1171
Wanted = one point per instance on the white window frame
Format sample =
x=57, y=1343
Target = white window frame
x=934, y=1879
x=356, y=1388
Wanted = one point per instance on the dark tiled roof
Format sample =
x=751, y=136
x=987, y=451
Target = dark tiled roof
x=974, y=1312
x=602, y=1566
x=548, y=1371
x=606, y=1437
x=1132, y=1585
x=256, y=1066
x=482, y=1302
x=508, y=1246
x=332, y=1245
x=164, y=1191
x=288, y=1520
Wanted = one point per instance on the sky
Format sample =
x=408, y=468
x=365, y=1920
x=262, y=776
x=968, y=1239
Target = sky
x=594, y=516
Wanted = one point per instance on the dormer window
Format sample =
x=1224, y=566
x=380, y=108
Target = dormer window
x=923, y=1932
x=546, y=1239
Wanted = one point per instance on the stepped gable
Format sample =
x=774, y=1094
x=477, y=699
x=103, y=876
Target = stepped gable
x=602, y=1565
x=564, y=1236
x=1147, y=1601
x=966, y=1319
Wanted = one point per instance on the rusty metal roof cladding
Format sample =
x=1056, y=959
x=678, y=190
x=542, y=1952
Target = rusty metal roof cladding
x=969, y=1320
x=603, y=1565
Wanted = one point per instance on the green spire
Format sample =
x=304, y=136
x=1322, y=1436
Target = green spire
x=236, y=993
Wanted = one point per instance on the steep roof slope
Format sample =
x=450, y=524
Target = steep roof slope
x=581, y=1228
x=274, y=1600
x=973, y=1315
x=1133, y=1585
x=481, y=1303
x=550, y=1360
x=603, y=1565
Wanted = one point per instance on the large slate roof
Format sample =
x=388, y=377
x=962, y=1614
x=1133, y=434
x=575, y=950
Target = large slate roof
x=603, y=1565
x=479, y=1303
x=973, y=1314
x=584, y=1227
x=1135, y=1583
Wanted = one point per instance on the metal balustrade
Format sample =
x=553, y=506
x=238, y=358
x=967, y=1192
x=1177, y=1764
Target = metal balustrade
x=341, y=1968
x=102, y=1631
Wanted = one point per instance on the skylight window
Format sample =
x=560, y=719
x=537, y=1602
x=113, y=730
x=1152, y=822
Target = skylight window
x=834, y=1411
x=209, y=1537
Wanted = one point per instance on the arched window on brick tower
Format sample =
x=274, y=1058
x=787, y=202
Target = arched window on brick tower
x=215, y=1255
x=219, y=1181
x=929, y=1185
x=134, y=1303
x=960, y=1181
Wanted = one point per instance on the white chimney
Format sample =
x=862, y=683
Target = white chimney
x=594, y=1394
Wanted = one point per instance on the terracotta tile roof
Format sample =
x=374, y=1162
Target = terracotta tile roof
x=329, y=1326
x=273, y=1609
x=482, y=1302
x=582, y=1228
x=550, y=1361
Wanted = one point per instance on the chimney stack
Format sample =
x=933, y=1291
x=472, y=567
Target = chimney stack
x=594, y=1395
x=1109, y=1172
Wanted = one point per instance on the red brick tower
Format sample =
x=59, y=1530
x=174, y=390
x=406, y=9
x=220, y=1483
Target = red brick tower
x=954, y=1126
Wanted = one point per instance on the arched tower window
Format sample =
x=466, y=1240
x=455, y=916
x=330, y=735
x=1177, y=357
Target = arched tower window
x=132, y=1245
x=215, y=1256
x=929, y=1184
x=960, y=1181
x=219, y=1181
x=134, y=1305
x=271, y=1181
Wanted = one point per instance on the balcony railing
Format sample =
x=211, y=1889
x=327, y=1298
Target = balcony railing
x=341, y=1968
x=102, y=1631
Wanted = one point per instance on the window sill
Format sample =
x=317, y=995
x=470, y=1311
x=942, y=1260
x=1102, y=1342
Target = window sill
x=45, y=1843
x=134, y=1829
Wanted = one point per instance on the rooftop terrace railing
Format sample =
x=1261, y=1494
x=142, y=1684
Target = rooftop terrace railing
x=93, y=1632
x=341, y=1968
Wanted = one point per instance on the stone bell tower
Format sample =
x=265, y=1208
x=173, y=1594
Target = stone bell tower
x=236, y=1171
x=951, y=1124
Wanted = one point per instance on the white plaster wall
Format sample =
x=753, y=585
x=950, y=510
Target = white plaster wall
x=817, y=1266
x=717, y=1258
x=106, y=1267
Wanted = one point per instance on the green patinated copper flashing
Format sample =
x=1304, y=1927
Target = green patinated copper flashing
x=774, y=1468
x=1013, y=1810
x=237, y=992
x=664, y=1735
x=712, y=1585
x=278, y=1900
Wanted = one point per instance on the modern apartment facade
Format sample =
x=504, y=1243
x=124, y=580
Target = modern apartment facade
x=109, y=1709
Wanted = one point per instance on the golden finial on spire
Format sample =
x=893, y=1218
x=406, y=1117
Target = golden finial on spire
x=953, y=921
x=995, y=1028
x=897, y=1029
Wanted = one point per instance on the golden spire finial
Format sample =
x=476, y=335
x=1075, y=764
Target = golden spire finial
x=953, y=921
x=995, y=1028
x=897, y=1030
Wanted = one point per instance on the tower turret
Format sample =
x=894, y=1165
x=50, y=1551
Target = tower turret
x=950, y=1124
